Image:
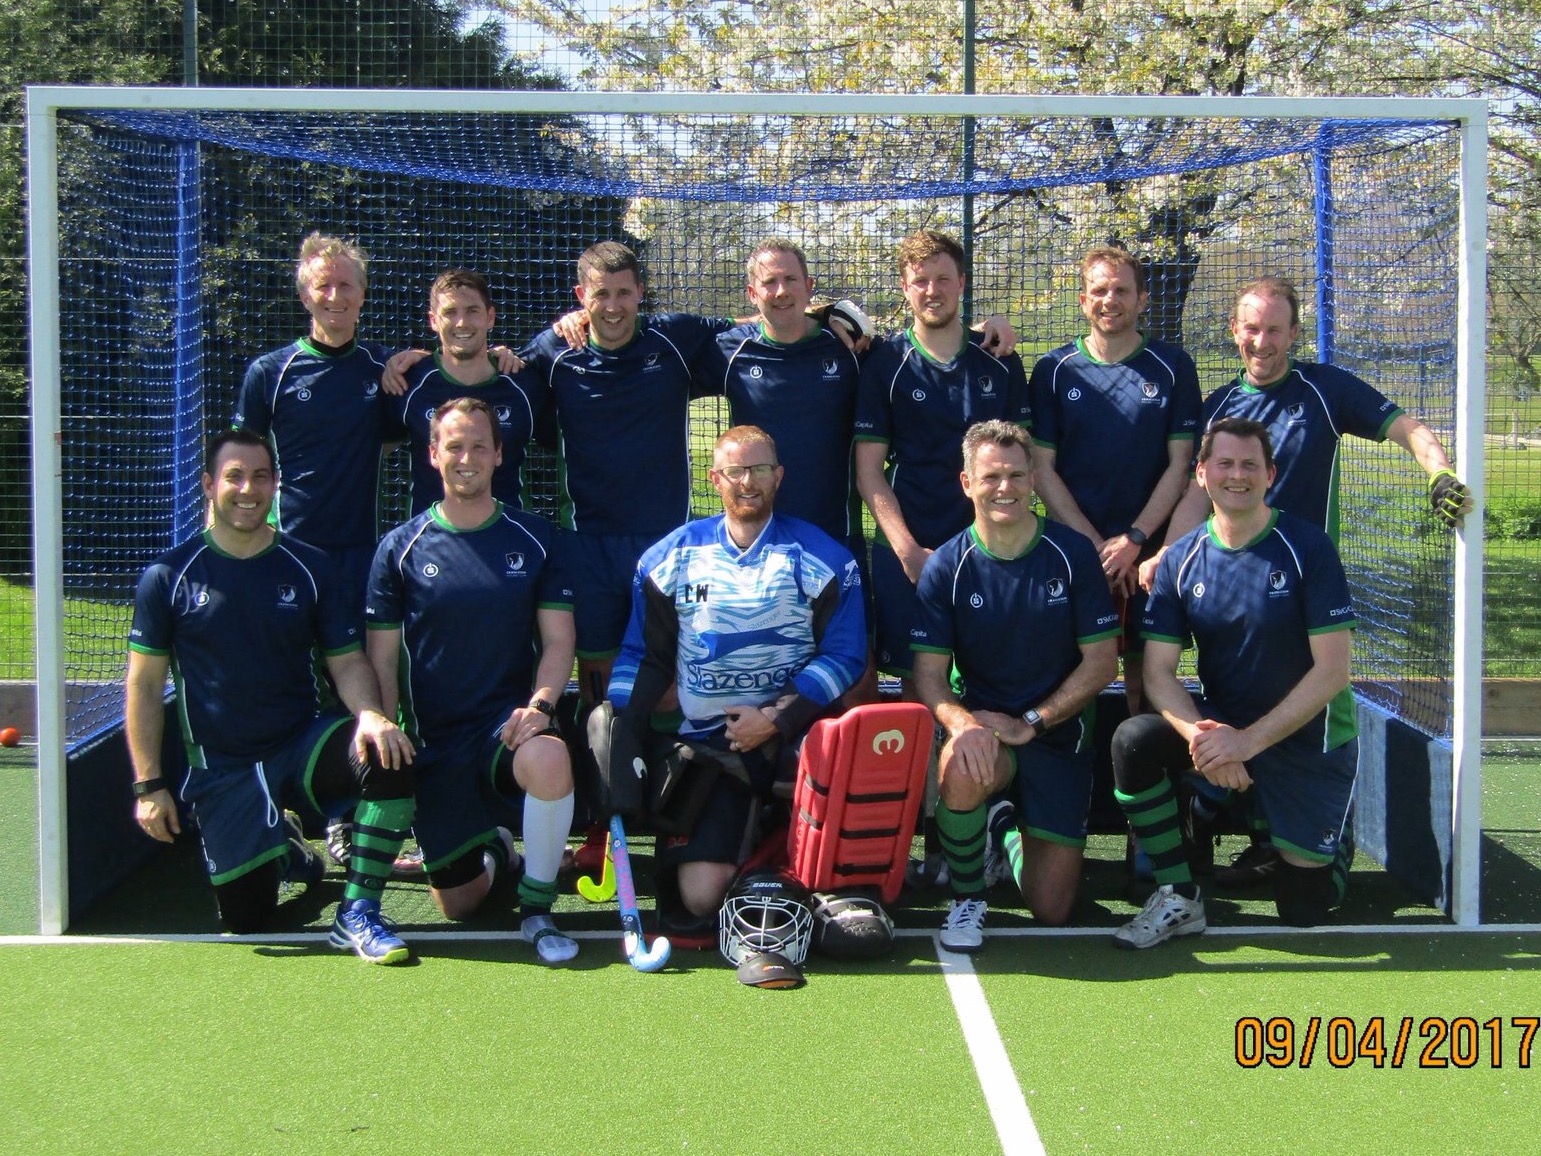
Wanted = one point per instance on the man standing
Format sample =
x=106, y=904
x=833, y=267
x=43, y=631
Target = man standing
x=1115, y=396
x=1019, y=607
x=920, y=392
x=238, y=609
x=1263, y=596
x=621, y=405
x=317, y=401
x=461, y=313
x=757, y=618
x=469, y=615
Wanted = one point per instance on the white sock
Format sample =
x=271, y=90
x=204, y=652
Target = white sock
x=547, y=823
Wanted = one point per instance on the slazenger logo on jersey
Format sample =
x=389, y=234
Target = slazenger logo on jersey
x=1073, y=394
x=287, y=595
x=919, y=395
x=756, y=372
x=1056, y=590
x=1198, y=589
x=831, y=367
x=428, y=413
x=1295, y=413
x=303, y=394
x=515, y=561
x=201, y=598
x=976, y=601
x=431, y=570
x=1276, y=583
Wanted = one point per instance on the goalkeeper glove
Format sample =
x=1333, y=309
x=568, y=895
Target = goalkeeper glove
x=1448, y=496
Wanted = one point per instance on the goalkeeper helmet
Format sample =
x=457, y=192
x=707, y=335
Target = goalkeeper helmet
x=765, y=911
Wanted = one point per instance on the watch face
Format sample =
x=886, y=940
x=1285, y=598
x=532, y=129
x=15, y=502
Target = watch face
x=543, y=706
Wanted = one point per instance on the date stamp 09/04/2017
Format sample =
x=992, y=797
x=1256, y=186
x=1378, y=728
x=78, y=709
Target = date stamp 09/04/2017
x=1409, y=1041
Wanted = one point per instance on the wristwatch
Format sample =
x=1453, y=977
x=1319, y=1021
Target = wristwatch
x=1136, y=535
x=545, y=708
x=1035, y=720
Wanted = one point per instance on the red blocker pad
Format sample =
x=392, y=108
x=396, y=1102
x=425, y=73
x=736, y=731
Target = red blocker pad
x=860, y=782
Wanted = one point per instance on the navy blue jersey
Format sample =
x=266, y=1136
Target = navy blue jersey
x=1111, y=426
x=804, y=396
x=921, y=409
x=323, y=415
x=733, y=627
x=240, y=633
x=1014, y=626
x=1307, y=413
x=1251, y=613
x=514, y=400
x=465, y=603
x=624, y=424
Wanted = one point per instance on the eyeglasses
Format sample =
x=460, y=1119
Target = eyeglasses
x=738, y=473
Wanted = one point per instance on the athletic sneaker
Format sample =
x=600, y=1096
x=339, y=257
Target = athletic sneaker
x=1257, y=864
x=1165, y=915
x=1001, y=818
x=924, y=874
x=360, y=925
x=964, y=927
x=550, y=944
x=305, y=866
x=339, y=841
x=409, y=862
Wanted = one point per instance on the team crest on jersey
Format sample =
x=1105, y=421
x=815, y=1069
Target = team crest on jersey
x=1150, y=389
x=287, y=595
x=1056, y=589
x=1073, y=394
x=756, y=372
x=831, y=367
x=1276, y=582
x=650, y=361
x=986, y=386
x=976, y=600
x=303, y=393
x=515, y=561
x=431, y=570
x=1295, y=413
x=505, y=414
x=372, y=389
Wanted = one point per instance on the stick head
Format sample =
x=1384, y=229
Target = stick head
x=642, y=957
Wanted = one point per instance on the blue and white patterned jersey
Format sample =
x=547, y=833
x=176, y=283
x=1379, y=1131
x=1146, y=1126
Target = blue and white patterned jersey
x=736, y=627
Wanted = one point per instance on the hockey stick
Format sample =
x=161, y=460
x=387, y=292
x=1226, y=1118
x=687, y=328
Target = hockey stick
x=603, y=889
x=637, y=952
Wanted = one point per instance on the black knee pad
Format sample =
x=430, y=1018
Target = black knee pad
x=247, y=902
x=1303, y=895
x=461, y=869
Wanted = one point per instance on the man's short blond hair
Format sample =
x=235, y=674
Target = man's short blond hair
x=319, y=248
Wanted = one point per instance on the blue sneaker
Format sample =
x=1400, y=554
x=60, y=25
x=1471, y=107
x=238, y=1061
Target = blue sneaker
x=360, y=926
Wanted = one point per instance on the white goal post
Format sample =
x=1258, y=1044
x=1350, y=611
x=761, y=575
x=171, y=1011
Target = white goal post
x=630, y=124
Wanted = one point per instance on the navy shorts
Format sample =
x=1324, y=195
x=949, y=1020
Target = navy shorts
x=602, y=567
x=1053, y=792
x=725, y=830
x=458, y=804
x=238, y=804
x=895, y=612
x=1305, y=796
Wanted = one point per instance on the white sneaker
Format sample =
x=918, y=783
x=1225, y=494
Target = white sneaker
x=1166, y=914
x=550, y=944
x=964, y=927
x=997, y=865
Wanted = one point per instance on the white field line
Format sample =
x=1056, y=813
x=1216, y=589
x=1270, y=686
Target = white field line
x=997, y=1078
x=493, y=936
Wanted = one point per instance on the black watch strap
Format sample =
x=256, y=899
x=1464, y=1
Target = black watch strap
x=546, y=708
x=1035, y=720
x=143, y=787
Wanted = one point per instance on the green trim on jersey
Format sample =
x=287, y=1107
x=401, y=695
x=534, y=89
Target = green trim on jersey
x=440, y=521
